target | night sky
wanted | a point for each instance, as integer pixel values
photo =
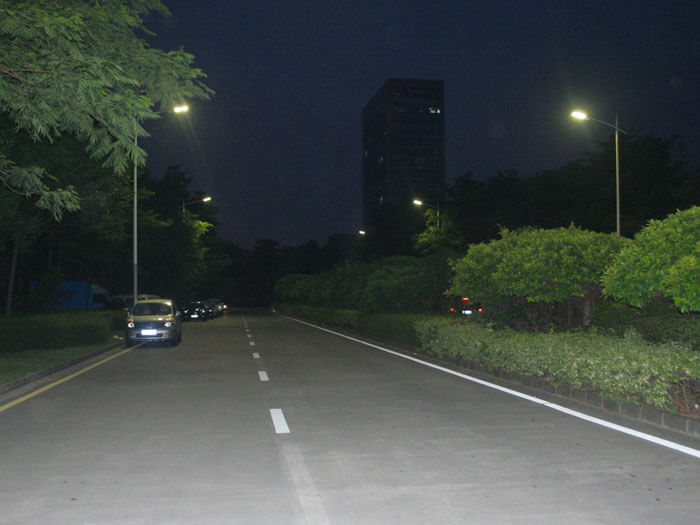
(279, 146)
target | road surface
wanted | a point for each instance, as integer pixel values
(258, 419)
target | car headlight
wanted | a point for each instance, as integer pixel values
(130, 324)
(168, 324)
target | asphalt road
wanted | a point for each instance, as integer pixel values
(261, 419)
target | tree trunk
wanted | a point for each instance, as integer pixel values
(13, 269)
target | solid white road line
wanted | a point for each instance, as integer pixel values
(263, 375)
(597, 421)
(278, 421)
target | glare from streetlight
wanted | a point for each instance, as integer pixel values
(206, 199)
(581, 115)
(181, 109)
(362, 232)
(418, 202)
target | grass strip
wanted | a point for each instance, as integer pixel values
(16, 365)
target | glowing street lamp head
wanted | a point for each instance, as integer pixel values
(206, 199)
(581, 115)
(181, 109)
(418, 202)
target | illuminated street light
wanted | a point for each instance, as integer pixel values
(177, 109)
(419, 203)
(362, 232)
(203, 199)
(582, 115)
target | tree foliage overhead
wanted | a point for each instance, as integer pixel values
(85, 68)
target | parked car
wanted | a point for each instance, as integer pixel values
(217, 306)
(465, 306)
(214, 306)
(196, 311)
(153, 320)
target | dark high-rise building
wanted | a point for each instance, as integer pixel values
(403, 142)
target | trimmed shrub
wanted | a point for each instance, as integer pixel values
(658, 321)
(58, 330)
(559, 266)
(663, 259)
(626, 369)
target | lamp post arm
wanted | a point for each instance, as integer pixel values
(613, 126)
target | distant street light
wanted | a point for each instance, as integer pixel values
(203, 199)
(582, 115)
(362, 232)
(177, 109)
(420, 203)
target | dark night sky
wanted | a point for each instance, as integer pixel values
(279, 146)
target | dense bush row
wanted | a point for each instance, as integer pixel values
(626, 369)
(393, 284)
(58, 330)
(399, 328)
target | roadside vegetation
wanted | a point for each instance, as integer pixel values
(32, 343)
(558, 303)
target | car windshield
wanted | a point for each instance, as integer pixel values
(152, 309)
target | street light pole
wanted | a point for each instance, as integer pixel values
(135, 219)
(617, 176)
(135, 248)
(583, 116)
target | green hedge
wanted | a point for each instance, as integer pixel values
(626, 369)
(399, 328)
(658, 322)
(58, 330)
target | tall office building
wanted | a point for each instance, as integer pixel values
(403, 141)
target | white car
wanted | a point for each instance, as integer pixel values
(153, 320)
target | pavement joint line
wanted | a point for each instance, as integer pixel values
(44, 388)
(554, 406)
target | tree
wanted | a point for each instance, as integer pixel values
(439, 236)
(663, 259)
(84, 68)
(562, 265)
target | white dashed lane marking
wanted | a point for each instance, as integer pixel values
(278, 420)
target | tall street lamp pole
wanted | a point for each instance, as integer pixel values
(581, 115)
(177, 109)
(136, 230)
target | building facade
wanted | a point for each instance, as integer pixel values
(403, 141)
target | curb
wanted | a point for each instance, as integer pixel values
(30, 378)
